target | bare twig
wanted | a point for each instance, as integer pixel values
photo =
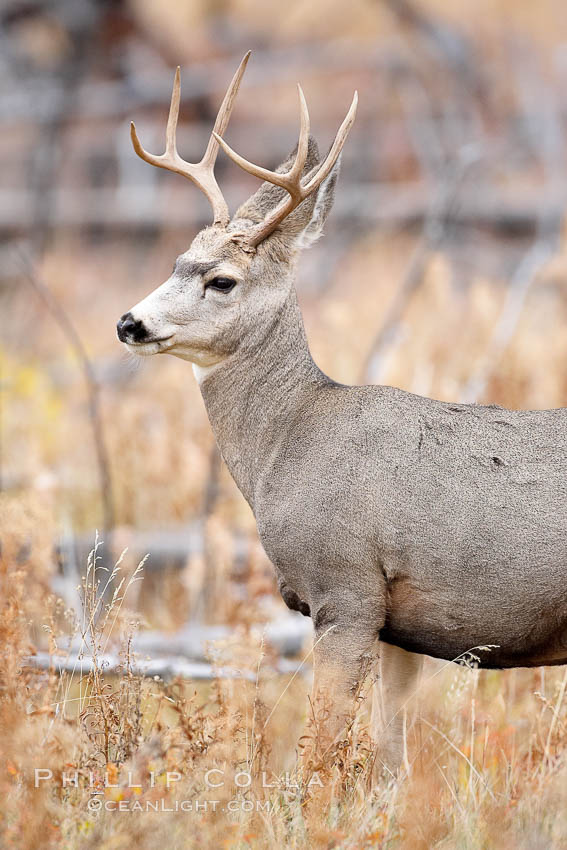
(209, 503)
(518, 290)
(542, 249)
(447, 43)
(433, 234)
(91, 383)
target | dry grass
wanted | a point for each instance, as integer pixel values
(486, 753)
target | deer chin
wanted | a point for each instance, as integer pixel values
(155, 346)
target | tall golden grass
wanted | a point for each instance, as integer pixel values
(128, 761)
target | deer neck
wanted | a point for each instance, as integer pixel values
(253, 395)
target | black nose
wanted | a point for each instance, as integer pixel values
(130, 330)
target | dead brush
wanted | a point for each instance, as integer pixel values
(487, 753)
(343, 768)
(552, 730)
(351, 756)
(144, 725)
(193, 733)
(110, 713)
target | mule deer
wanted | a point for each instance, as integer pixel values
(401, 525)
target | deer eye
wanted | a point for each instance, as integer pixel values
(222, 284)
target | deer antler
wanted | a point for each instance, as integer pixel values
(291, 180)
(201, 173)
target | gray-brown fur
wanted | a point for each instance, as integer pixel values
(435, 527)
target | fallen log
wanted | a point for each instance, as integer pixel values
(162, 668)
(286, 636)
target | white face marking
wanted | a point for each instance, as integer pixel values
(201, 372)
(145, 349)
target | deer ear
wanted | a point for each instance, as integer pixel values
(304, 225)
(323, 201)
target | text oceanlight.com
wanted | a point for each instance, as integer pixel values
(96, 804)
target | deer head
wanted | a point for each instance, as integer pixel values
(225, 290)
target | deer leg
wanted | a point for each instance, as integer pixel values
(392, 691)
(344, 653)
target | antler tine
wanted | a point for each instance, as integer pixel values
(303, 143)
(201, 173)
(224, 113)
(172, 118)
(336, 148)
(291, 180)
